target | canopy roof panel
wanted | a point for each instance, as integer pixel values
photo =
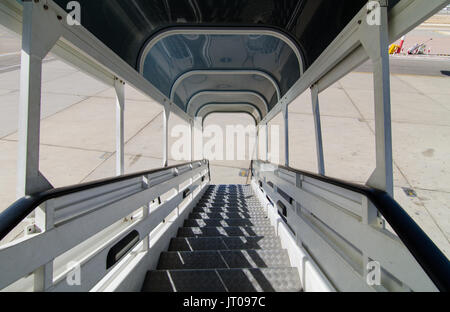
(166, 39)
(257, 61)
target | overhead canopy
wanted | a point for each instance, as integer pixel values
(245, 53)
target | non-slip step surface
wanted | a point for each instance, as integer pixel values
(229, 210)
(226, 215)
(223, 280)
(226, 222)
(223, 259)
(227, 244)
(225, 231)
(224, 243)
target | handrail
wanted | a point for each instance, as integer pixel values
(20, 209)
(427, 254)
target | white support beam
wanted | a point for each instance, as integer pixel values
(82, 49)
(346, 52)
(191, 136)
(375, 41)
(40, 32)
(285, 112)
(266, 130)
(119, 86)
(166, 116)
(318, 129)
(257, 142)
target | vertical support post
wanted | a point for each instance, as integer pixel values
(119, 86)
(192, 135)
(375, 39)
(266, 130)
(166, 116)
(40, 31)
(44, 218)
(257, 143)
(201, 123)
(285, 112)
(318, 129)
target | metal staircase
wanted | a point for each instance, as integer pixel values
(226, 244)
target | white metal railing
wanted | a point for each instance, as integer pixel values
(341, 229)
(93, 227)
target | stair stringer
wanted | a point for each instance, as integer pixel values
(133, 278)
(311, 277)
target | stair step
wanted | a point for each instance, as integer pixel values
(218, 203)
(229, 204)
(225, 222)
(224, 259)
(231, 207)
(228, 210)
(224, 243)
(223, 280)
(226, 231)
(225, 215)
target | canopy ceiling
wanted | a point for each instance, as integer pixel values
(256, 48)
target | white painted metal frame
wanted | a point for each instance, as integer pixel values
(232, 107)
(223, 72)
(218, 31)
(353, 46)
(318, 129)
(79, 47)
(119, 87)
(231, 96)
(333, 226)
(88, 223)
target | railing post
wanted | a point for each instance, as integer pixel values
(44, 221)
(166, 116)
(257, 142)
(318, 129)
(192, 129)
(266, 130)
(285, 112)
(375, 39)
(119, 86)
(40, 31)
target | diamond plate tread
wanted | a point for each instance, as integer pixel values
(229, 199)
(223, 280)
(225, 231)
(234, 259)
(229, 210)
(248, 196)
(229, 203)
(217, 203)
(225, 215)
(224, 243)
(225, 222)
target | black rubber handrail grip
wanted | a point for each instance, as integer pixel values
(19, 210)
(427, 254)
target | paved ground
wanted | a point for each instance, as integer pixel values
(77, 135)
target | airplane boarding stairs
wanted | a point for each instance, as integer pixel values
(226, 244)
